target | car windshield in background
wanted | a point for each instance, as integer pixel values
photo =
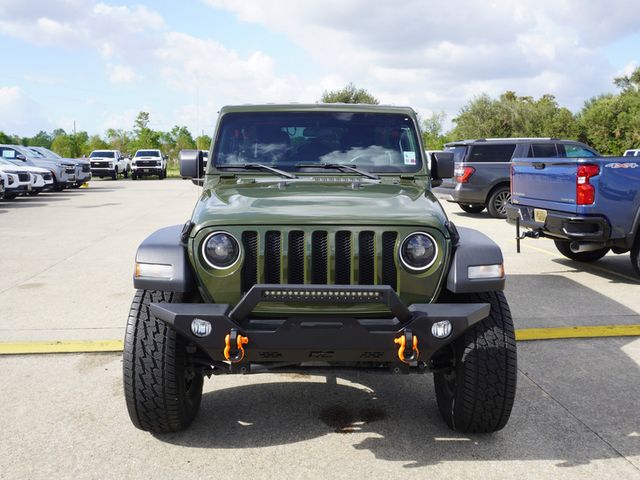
(376, 142)
(102, 154)
(147, 153)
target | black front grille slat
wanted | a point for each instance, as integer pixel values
(272, 250)
(367, 257)
(296, 257)
(319, 259)
(389, 273)
(250, 265)
(343, 258)
(23, 177)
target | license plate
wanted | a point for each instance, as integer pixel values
(146, 170)
(539, 215)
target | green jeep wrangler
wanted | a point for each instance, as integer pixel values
(317, 244)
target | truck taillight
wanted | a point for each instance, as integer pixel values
(585, 192)
(463, 174)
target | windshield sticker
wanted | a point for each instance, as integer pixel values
(409, 158)
(621, 165)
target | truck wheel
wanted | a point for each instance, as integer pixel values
(498, 201)
(114, 175)
(161, 175)
(563, 248)
(162, 391)
(635, 257)
(9, 195)
(125, 174)
(56, 186)
(134, 176)
(476, 394)
(471, 208)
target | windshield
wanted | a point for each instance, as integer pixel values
(376, 142)
(147, 153)
(35, 153)
(102, 154)
(48, 153)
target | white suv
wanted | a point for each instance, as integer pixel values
(109, 163)
(149, 162)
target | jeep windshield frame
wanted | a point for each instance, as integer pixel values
(373, 141)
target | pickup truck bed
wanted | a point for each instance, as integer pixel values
(585, 204)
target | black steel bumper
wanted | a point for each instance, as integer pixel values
(333, 339)
(561, 225)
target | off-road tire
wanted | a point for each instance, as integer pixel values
(635, 256)
(476, 395)
(471, 208)
(499, 198)
(563, 248)
(160, 397)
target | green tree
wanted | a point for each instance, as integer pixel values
(611, 122)
(432, 131)
(41, 139)
(95, 142)
(203, 142)
(119, 139)
(349, 94)
(514, 116)
(143, 136)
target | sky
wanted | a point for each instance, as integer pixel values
(99, 63)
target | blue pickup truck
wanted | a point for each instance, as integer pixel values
(588, 206)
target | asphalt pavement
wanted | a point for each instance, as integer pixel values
(67, 260)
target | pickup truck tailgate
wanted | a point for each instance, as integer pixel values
(548, 183)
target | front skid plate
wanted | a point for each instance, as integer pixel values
(326, 339)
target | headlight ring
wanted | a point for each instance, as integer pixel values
(220, 250)
(418, 251)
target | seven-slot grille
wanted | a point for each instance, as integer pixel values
(319, 257)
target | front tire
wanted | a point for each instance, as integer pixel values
(114, 175)
(476, 394)
(498, 201)
(162, 391)
(471, 208)
(125, 174)
(563, 248)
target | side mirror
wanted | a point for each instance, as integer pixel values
(21, 157)
(442, 165)
(191, 165)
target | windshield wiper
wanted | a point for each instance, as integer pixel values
(339, 166)
(258, 166)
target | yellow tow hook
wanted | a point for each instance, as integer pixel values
(233, 346)
(407, 338)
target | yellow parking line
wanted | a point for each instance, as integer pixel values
(62, 346)
(578, 332)
(523, 334)
(590, 265)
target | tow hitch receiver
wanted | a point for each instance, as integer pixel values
(233, 346)
(407, 338)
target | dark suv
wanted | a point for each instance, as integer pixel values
(482, 169)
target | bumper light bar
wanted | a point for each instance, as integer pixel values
(313, 295)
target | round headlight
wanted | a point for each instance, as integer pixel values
(220, 250)
(418, 251)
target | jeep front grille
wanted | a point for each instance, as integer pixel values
(319, 257)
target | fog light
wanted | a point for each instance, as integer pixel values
(441, 329)
(486, 271)
(200, 328)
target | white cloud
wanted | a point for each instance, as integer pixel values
(121, 74)
(19, 113)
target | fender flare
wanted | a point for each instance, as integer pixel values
(165, 247)
(473, 249)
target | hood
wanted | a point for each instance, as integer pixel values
(320, 201)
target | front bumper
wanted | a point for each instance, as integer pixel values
(313, 338)
(102, 171)
(567, 226)
(150, 170)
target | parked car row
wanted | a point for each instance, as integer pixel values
(112, 163)
(482, 175)
(31, 170)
